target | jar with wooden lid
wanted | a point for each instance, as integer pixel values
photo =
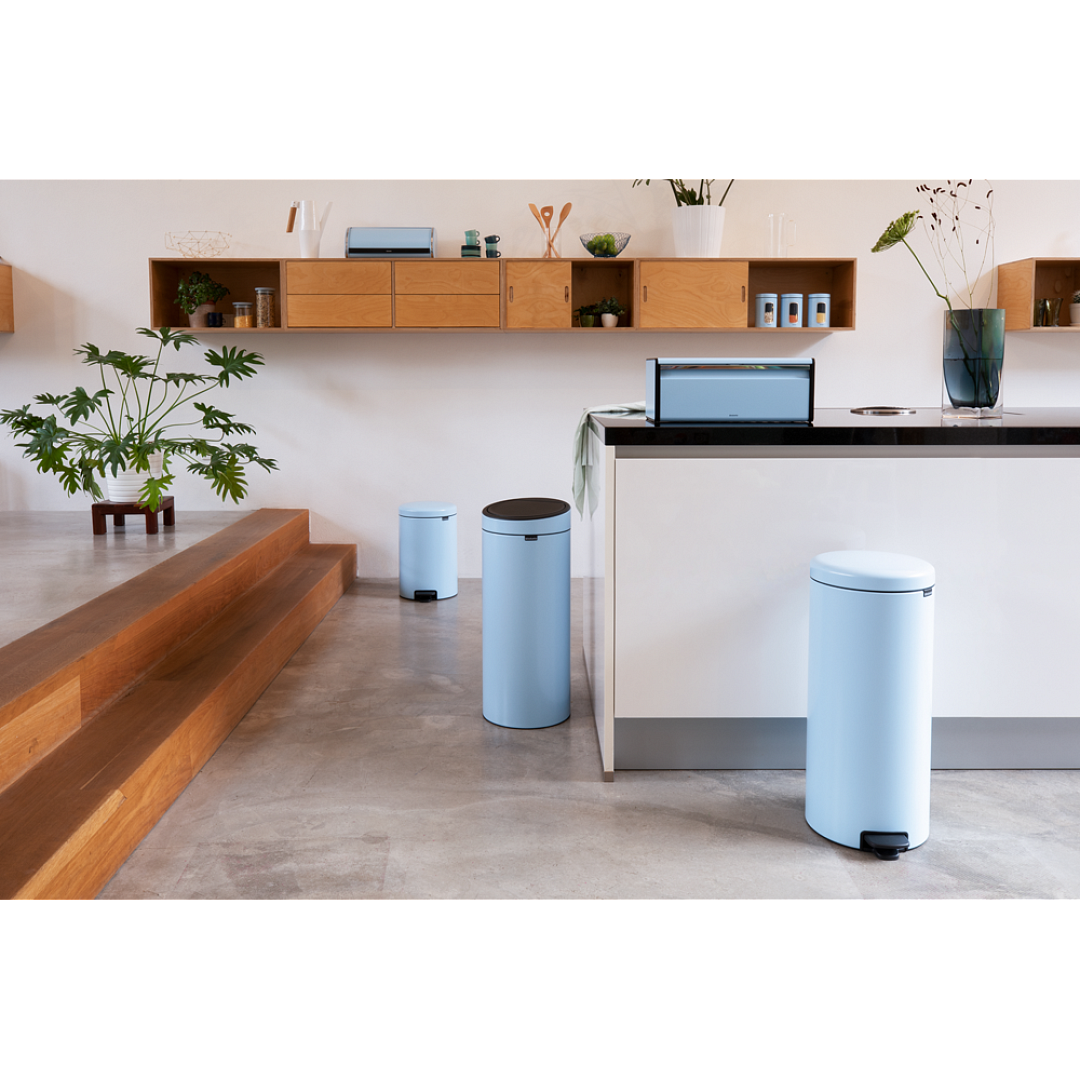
(245, 316)
(264, 306)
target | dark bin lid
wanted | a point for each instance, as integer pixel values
(526, 509)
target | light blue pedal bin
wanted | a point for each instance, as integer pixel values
(427, 550)
(526, 611)
(869, 700)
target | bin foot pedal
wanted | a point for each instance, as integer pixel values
(885, 845)
(425, 595)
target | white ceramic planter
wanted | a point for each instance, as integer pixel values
(126, 484)
(1074, 314)
(609, 320)
(698, 231)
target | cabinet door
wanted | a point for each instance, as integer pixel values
(538, 294)
(687, 294)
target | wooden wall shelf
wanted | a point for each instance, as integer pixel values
(509, 295)
(1021, 283)
(7, 303)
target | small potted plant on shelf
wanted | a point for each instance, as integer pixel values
(117, 432)
(1074, 310)
(197, 296)
(609, 311)
(697, 225)
(587, 315)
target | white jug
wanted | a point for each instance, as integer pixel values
(308, 226)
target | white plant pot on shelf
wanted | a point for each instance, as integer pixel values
(125, 486)
(1074, 314)
(698, 231)
(609, 320)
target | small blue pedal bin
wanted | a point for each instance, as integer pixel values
(427, 550)
(868, 720)
(526, 611)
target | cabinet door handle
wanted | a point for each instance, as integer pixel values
(511, 294)
(566, 295)
(744, 294)
(644, 294)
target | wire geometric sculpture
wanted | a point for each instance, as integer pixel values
(201, 244)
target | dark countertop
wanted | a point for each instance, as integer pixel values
(841, 427)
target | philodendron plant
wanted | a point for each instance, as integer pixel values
(120, 426)
(686, 195)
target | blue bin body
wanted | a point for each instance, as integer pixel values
(868, 721)
(427, 550)
(526, 612)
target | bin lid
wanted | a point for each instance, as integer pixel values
(525, 517)
(872, 571)
(427, 509)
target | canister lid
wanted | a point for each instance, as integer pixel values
(266, 289)
(872, 571)
(433, 509)
(819, 296)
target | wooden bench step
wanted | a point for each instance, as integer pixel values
(69, 823)
(55, 679)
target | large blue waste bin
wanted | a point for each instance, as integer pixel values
(526, 612)
(869, 700)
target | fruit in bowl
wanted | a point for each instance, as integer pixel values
(605, 245)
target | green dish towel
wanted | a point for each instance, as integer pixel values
(584, 483)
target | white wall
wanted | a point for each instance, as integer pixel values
(361, 423)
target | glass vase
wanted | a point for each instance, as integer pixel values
(973, 358)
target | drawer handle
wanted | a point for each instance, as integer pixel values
(511, 294)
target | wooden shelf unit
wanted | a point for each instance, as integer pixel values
(1023, 282)
(510, 295)
(7, 303)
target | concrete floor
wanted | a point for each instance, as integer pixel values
(367, 771)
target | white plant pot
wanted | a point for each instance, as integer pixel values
(125, 486)
(1074, 314)
(609, 320)
(698, 231)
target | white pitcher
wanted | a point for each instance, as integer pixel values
(308, 226)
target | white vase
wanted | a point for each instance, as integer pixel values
(698, 230)
(125, 486)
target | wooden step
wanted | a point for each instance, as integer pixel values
(57, 678)
(69, 823)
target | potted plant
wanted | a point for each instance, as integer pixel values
(197, 296)
(587, 314)
(959, 226)
(1074, 310)
(698, 226)
(609, 311)
(119, 428)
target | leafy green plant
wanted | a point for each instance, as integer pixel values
(610, 306)
(586, 309)
(198, 289)
(1076, 298)
(119, 427)
(687, 196)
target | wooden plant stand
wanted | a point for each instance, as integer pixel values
(101, 510)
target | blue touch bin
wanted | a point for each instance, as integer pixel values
(869, 700)
(526, 612)
(427, 550)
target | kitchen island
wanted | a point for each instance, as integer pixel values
(697, 594)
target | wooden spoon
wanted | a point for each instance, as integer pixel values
(546, 213)
(562, 217)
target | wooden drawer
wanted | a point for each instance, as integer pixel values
(452, 278)
(338, 277)
(446, 310)
(339, 310)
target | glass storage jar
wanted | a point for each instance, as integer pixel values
(264, 307)
(244, 313)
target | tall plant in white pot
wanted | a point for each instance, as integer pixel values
(697, 225)
(959, 225)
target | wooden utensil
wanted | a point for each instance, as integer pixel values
(562, 217)
(546, 212)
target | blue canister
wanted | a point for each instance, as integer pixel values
(427, 550)
(526, 612)
(766, 310)
(791, 309)
(817, 310)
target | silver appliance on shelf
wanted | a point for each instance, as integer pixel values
(382, 243)
(693, 389)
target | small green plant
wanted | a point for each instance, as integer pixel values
(610, 306)
(586, 309)
(198, 289)
(120, 428)
(687, 196)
